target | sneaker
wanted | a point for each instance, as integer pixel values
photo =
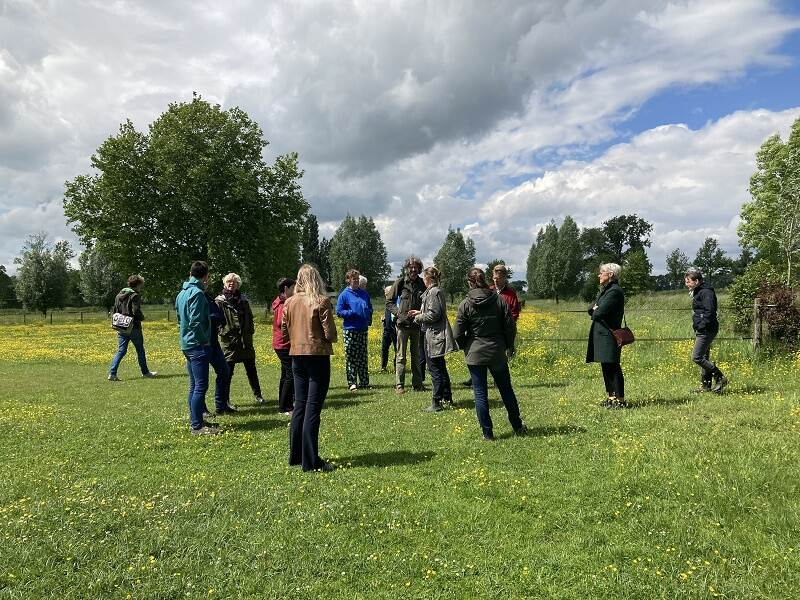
(205, 430)
(113, 378)
(150, 374)
(399, 390)
(520, 431)
(260, 400)
(353, 387)
(617, 404)
(721, 383)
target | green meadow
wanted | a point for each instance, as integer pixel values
(105, 494)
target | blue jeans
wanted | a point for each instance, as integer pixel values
(502, 378)
(222, 386)
(312, 376)
(136, 337)
(197, 361)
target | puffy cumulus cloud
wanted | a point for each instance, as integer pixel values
(689, 183)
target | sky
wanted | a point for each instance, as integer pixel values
(491, 117)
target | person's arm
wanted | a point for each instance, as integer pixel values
(433, 313)
(136, 307)
(606, 303)
(285, 323)
(342, 306)
(461, 327)
(326, 318)
(708, 307)
(391, 300)
(251, 323)
(516, 307)
(509, 328)
(197, 309)
(369, 309)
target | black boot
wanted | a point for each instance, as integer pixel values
(720, 381)
(436, 406)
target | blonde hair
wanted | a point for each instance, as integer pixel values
(310, 285)
(232, 277)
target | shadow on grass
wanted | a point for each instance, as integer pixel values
(542, 384)
(348, 394)
(661, 401)
(171, 375)
(256, 425)
(547, 431)
(385, 459)
(345, 402)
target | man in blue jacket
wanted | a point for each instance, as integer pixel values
(355, 307)
(191, 307)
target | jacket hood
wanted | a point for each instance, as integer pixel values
(192, 282)
(480, 296)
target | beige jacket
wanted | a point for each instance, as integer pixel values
(311, 330)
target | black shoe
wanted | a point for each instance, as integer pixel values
(607, 402)
(521, 431)
(468, 383)
(617, 404)
(227, 410)
(434, 407)
(419, 388)
(323, 466)
(488, 437)
(721, 383)
(206, 430)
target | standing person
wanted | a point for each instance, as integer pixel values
(308, 325)
(237, 333)
(355, 307)
(405, 295)
(439, 339)
(486, 331)
(706, 327)
(222, 385)
(128, 303)
(606, 313)
(389, 335)
(192, 311)
(286, 383)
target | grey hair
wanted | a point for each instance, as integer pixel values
(362, 281)
(232, 277)
(694, 273)
(413, 260)
(613, 269)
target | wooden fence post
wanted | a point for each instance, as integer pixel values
(51, 317)
(757, 325)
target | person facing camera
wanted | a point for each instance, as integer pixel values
(281, 348)
(405, 295)
(309, 327)
(486, 331)
(706, 327)
(606, 313)
(355, 308)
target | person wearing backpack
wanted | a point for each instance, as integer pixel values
(129, 303)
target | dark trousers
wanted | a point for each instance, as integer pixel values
(312, 376)
(614, 380)
(252, 374)
(389, 339)
(286, 383)
(502, 378)
(197, 360)
(700, 355)
(440, 379)
(222, 385)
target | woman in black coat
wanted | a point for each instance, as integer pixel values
(606, 313)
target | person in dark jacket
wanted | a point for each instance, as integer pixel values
(286, 383)
(128, 303)
(355, 308)
(236, 335)
(706, 327)
(486, 331)
(606, 313)
(405, 295)
(439, 340)
(222, 385)
(389, 333)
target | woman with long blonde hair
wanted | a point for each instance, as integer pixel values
(308, 325)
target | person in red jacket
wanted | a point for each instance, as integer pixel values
(286, 384)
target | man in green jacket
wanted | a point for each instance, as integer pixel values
(191, 307)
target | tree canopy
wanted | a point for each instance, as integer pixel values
(99, 281)
(43, 273)
(357, 245)
(711, 260)
(454, 259)
(195, 187)
(677, 263)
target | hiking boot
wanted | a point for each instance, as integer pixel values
(206, 430)
(113, 378)
(521, 431)
(150, 374)
(720, 385)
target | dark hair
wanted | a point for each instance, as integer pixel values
(285, 283)
(135, 281)
(199, 269)
(434, 273)
(694, 274)
(477, 278)
(352, 273)
(412, 260)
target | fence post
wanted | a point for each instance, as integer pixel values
(23, 318)
(757, 326)
(51, 317)
(167, 315)
(81, 316)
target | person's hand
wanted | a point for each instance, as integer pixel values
(510, 352)
(594, 307)
(412, 313)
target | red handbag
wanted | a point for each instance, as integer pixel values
(623, 335)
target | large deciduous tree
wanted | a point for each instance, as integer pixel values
(43, 273)
(711, 260)
(8, 297)
(771, 222)
(99, 280)
(357, 245)
(625, 234)
(309, 244)
(677, 263)
(194, 187)
(636, 270)
(454, 259)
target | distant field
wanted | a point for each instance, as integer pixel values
(106, 495)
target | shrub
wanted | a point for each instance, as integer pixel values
(780, 313)
(743, 292)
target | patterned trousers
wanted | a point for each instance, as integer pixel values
(355, 357)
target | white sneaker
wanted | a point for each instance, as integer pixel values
(353, 387)
(114, 378)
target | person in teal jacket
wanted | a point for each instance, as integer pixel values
(191, 307)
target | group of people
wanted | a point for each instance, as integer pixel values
(217, 332)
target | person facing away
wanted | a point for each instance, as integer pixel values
(355, 308)
(309, 326)
(129, 303)
(486, 331)
(405, 295)
(237, 333)
(281, 348)
(389, 332)
(706, 327)
(192, 311)
(439, 339)
(606, 313)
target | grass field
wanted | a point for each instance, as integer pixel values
(106, 495)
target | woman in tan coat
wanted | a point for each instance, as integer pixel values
(308, 325)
